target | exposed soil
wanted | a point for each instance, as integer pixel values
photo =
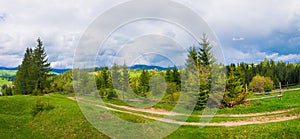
(257, 118)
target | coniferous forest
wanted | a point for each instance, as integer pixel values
(33, 77)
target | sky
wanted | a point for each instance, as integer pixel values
(248, 31)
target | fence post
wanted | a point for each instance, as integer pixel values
(287, 85)
(280, 92)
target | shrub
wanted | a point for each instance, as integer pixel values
(40, 106)
(261, 84)
(111, 93)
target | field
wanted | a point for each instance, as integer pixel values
(5, 75)
(65, 120)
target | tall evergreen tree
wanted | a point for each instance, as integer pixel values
(235, 93)
(192, 60)
(32, 73)
(116, 76)
(41, 66)
(176, 78)
(23, 82)
(144, 82)
(125, 78)
(206, 60)
(168, 76)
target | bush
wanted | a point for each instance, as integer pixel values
(6, 90)
(102, 92)
(261, 84)
(111, 93)
(40, 106)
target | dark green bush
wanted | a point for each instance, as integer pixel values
(111, 93)
(40, 106)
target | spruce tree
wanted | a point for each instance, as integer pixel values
(41, 66)
(144, 82)
(168, 76)
(176, 77)
(235, 93)
(32, 73)
(24, 83)
(192, 60)
(116, 77)
(206, 60)
(125, 80)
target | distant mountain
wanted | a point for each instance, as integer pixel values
(6, 68)
(149, 67)
(59, 71)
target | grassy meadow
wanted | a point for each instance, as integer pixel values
(65, 119)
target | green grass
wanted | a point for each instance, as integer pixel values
(290, 100)
(64, 121)
(67, 121)
(288, 129)
(8, 72)
(4, 81)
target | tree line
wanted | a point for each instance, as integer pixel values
(285, 73)
(32, 74)
(241, 79)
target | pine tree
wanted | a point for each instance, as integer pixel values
(41, 66)
(206, 60)
(235, 93)
(116, 77)
(205, 54)
(24, 83)
(176, 78)
(144, 82)
(124, 80)
(192, 60)
(105, 78)
(32, 73)
(168, 76)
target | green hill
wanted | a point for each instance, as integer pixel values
(62, 118)
(64, 121)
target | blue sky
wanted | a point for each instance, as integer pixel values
(249, 31)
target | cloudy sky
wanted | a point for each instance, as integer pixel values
(248, 31)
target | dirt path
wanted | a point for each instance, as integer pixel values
(253, 120)
(171, 113)
(261, 120)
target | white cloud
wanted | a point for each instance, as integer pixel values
(61, 23)
(236, 56)
(238, 39)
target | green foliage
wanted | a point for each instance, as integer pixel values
(64, 121)
(7, 76)
(278, 71)
(32, 73)
(235, 92)
(116, 77)
(63, 82)
(201, 61)
(144, 83)
(109, 81)
(111, 93)
(103, 78)
(157, 86)
(40, 107)
(125, 78)
(171, 89)
(6, 90)
(168, 75)
(176, 78)
(261, 84)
